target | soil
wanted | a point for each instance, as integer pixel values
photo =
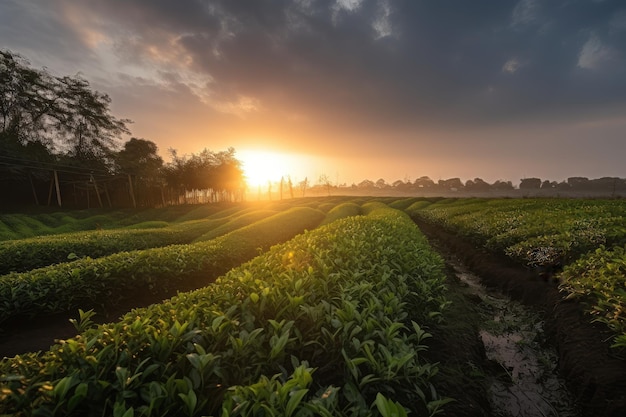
(26, 334)
(594, 372)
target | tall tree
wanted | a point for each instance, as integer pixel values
(27, 97)
(139, 158)
(219, 174)
(229, 174)
(140, 162)
(61, 113)
(86, 127)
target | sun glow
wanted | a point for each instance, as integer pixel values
(263, 167)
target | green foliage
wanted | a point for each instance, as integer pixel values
(403, 203)
(88, 281)
(549, 233)
(26, 254)
(234, 223)
(417, 205)
(341, 211)
(20, 226)
(525, 229)
(367, 208)
(331, 323)
(599, 280)
(152, 224)
(213, 211)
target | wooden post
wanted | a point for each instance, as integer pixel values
(32, 186)
(106, 193)
(132, 193)
(56, 182)
(95, 186)
(50, 190)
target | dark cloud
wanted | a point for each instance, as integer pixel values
(375, 66)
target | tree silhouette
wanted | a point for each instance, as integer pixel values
(324, 180)
(212, 176)
(59, 113)
(530, 183)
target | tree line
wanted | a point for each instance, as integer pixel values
(608, 186)
(60, 144)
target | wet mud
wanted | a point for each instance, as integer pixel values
(583, 361)
(523, 379)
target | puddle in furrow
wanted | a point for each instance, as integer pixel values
(524, 382)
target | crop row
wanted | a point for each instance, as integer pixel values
(89, 282)
(330, 323)
(599, 280)
(26, 254)
(586, 237)
(531, 231)
(199, 224)
(20, 226)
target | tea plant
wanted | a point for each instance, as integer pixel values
(330, 323)
(88, 282)
(341, 211)
(586, 237)
(599, 280)
(235, 223)
(26, 254)
(532, 231)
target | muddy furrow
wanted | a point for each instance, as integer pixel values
(593, 373)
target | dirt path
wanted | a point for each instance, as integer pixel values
(585, 361)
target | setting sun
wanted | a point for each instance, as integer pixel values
(261, 167)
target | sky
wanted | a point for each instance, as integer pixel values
(353, 89)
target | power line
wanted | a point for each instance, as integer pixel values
(69, 169)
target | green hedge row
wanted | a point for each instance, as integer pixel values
(89, 282)
(26, 254)
(585, 237)
(329, 324)
(598, 279)
(21, 226)
(234, 223)
(534, 232)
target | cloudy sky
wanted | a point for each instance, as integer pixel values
(354, 89)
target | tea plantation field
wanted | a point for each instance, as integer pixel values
(303, 307)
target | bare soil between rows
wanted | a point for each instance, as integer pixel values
(594, 373)
(26, 334)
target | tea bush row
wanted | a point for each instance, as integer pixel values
(586, 237)
(89, 282)
(534, 232)
(21, 226)
(598, 279)
(26, 254)
(331, 323)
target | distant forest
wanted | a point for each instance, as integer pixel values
(61, 146)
